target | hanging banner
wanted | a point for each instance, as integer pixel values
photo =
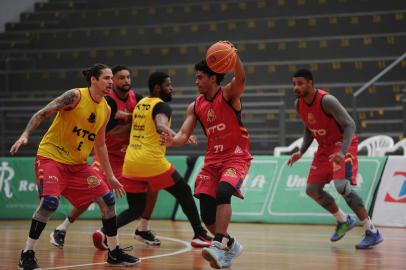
(390, 203)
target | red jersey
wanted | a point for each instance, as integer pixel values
(227, 137)
(323, 127)
(116, 146)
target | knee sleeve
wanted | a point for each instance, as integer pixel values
(354, 201)
(109, 199)
(224, 193)
(316, 192)
(106, 204)
(343, 186)
(208, 209)
(50, 203)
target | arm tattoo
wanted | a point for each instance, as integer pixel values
(66, 99)
(58, 103)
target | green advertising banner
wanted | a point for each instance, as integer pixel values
(289, 203)
(275, 192)
(19, 197)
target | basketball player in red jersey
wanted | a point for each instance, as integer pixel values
(327, 121)
(227, 159)
(122, 101)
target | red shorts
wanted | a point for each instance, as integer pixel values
(80, 184)
(230, 171)
(155, 183)
(116, 166)
(322, 171)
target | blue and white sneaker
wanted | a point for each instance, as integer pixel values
(215, 254)
(370, 239)
(235, 250)
(343, 228)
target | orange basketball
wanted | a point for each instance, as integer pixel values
(221, 57)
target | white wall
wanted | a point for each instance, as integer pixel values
(10, 10)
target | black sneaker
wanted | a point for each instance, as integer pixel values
(119, 257)
(58, 238)
(147, 237)
(28, 261)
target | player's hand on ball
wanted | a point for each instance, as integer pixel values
(294, 157)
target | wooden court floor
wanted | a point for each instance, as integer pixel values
(265, 247)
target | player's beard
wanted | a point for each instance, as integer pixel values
(167, 97)
(124, 88)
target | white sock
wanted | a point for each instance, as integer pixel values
(340, 216)
(143, 224)
(30, 244)
(367, 224)
(112, 242)
(64, 226)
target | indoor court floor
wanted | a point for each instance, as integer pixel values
(266, 246)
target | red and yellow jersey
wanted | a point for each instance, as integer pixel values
(145, 156)
(227, 137)
(70, 139)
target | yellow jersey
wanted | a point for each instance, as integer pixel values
(145, 156)
(70, 138)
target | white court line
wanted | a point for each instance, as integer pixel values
(187, 248)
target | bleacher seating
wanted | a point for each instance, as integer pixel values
(345, 43)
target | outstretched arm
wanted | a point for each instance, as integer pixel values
(185, 132)
(66, 101)
(234, 89)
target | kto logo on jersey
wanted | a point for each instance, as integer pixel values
(211, 116)
(399, 187)
(219, 127)
(311, 119)
(80, 132)
(318, 132)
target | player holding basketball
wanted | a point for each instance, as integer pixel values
(145, 164)
(122, 101)
(328, 122)
(61, 165)
(227, 159)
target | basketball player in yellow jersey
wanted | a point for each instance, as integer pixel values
(61, 165)
(145, 163)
